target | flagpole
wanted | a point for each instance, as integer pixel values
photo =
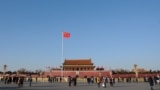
(64, 35)
(62, 57)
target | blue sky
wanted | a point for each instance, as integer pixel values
(113, 33)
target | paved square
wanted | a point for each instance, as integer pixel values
(80, 86)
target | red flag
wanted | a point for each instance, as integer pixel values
(66, 34)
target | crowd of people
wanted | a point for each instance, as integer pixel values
(103, 81)
(19, 80)
(153, 81)
(72, 81)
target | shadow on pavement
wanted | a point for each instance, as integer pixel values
(8, 88)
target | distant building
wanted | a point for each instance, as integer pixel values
(55, 68)
(140, 70)
(78, 65)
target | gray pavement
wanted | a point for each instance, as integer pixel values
(80, 86)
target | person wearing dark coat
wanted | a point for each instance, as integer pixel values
(75, 81)
(21, 81)
(30, 81)
(69, 80)
(111, 82)
(151, 82)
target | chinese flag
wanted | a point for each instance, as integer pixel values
(66, 34)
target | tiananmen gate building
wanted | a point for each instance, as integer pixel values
(77, 67)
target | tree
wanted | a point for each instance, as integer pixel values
(121, 71)
(150, 71)
(38, 71)
(21, 70)
(1, 72)
(14, 72)
(9, 72)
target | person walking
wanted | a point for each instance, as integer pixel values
(19, 82)
(111, 82)
(151, 82)
(104, 82)
(30, 81)
(69, 80)
(98, 81)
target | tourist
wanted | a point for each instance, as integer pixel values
(88, 80)
(69, 80)
(61, 79)
(92, 79)
(36, 79)
(104, 82)
(30, 80)
(19, 82)
(111, 82)
(151, 82)
(75, 81)
(158, 79)
(98, 81)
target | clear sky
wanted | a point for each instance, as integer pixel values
(113, 33)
